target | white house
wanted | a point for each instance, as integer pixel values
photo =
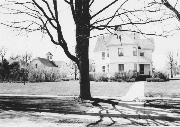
(44, 63)
(123, 51)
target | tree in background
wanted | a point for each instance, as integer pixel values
(2, 53)
(73, 69)
(172, 64)
(4, 70)
(45, 16)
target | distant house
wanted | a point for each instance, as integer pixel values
(122, 52)
(44, 63)
(49, 65)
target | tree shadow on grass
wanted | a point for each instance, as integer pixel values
(108, 108)
(158, 115)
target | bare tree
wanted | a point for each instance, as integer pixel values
(73, 69)
(27, 57)
(2, 53)
(171, 63)
(45, 16)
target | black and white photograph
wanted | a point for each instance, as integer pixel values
(89, 63)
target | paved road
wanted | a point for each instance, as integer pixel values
(29, 111)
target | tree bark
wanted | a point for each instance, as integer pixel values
(82, 47)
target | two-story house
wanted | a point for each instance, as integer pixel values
(122, 52)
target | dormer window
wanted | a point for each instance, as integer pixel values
(120, 52)
(134, 51)
(141, 53)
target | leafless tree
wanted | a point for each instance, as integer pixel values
(2, 53)
(27, 57)
(45, 16)
(171, 63)
(73, 69)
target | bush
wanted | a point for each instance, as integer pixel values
(161, 76)
(101, 77)
(142, 77)
(154, 80)
(125, 76)
(131, 80)
(39, 75)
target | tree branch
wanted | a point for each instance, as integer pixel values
(104, 9)
(44, 13)
(169, 6)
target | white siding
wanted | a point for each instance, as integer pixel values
(127, 59)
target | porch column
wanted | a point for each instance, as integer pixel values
(138, 68)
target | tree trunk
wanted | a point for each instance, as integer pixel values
(171, 73)
(82, 47)
(82, 50)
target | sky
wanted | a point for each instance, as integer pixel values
(39, 44)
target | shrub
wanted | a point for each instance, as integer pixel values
(161, 76)
(154, 80)
(101, 77)
(142, 77)
(39, 75)
(125, 76)
(131, 80)
(112, 79)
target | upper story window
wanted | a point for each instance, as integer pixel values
(103, 68)
(134, 51)
(120, 52)
(103, 55)
(119, 37)
(108, 53)
(121, 67)
(141, 53)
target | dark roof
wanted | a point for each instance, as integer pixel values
(47, 62)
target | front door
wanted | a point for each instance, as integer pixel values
(141, 67)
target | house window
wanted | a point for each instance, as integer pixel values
(108, 53)
(120, 52)
(121, 67)
(36, 65)
(120, 38)
(134, 51)
(103, 68)
(103, 55)
(135, 67)
(141, 53)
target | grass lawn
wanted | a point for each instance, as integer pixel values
(111, 89)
